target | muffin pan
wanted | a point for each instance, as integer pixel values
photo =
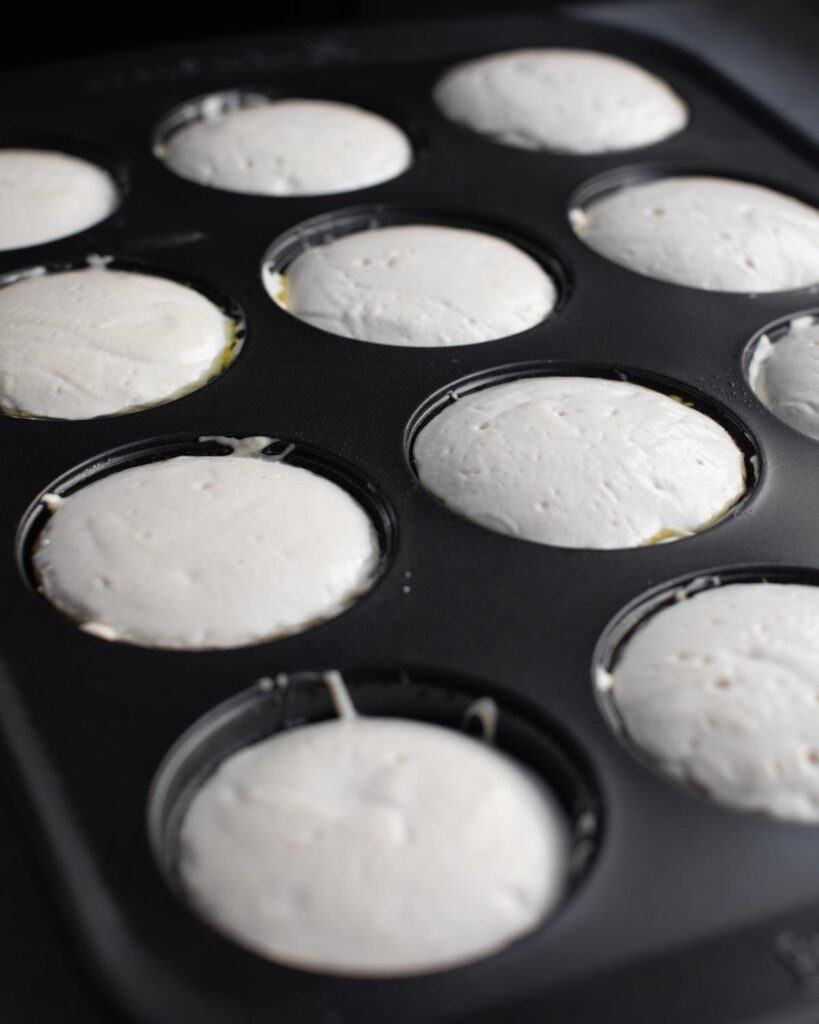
(287, 701)
(682, 911)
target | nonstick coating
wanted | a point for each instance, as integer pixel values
(689, 913)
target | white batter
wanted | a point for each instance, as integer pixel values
(373, 846)
(722, 691)
(711, 233)
(580, 462)
(785, 375)
(94, 342)
(574, 101)
(289, 147)
(46, 195)
(416, 285)
(205, 551)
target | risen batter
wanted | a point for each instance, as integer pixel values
(722, 691)
(785, 375)
(574, 101)
(46, 195)
(416, 285)
(373, 846)
(93, 342)
(580, 462)
(288, 147)
(711, 233)
(205, 551)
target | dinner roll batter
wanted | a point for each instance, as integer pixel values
(415, 285)
(721, 690)
(580, 462)
(205, 551)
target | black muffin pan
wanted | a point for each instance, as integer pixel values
(680, 911)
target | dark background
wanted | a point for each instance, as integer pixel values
(770, 46)
(70, 33)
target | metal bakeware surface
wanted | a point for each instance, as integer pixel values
(688, 913)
